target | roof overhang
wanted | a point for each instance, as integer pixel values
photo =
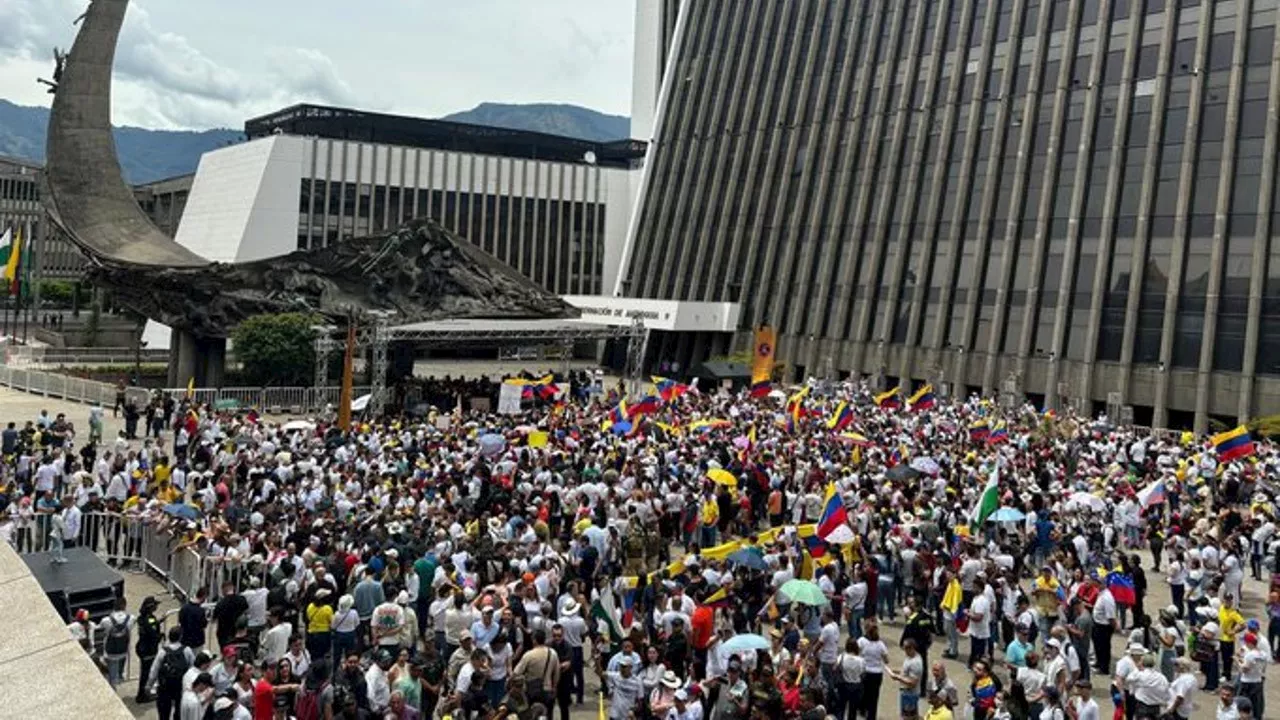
(670, 315)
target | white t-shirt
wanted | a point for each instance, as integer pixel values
(1252, 665)
(1149, 687)
(1032, 681)
(829, 643)
(1086, 709)
(980, 617)
(1184, 686)
(874, 653)
(855, 596)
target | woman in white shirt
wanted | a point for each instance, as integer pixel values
(500, 667)
(849, 671)
(651, 674)
(874, 653)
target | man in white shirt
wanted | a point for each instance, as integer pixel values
(1149, 688)
(1182, 690)
(1104, 626)
(1253, 665)
(1086, 708)
(855, 603)
(979, 622)
(275, 642)
(829, 644)
(378, 687)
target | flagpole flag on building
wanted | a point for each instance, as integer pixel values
(988, 501)
(762, 361)
(1233, 444)
(11, 257)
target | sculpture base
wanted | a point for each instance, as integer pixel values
(204, 359)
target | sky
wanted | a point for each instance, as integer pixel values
(196, 64)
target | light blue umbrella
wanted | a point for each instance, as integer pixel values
(744, 643)
(1007, 514)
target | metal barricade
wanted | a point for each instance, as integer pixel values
(244, 396)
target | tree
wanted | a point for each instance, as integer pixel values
(276, 350)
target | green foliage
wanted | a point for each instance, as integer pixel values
(61, 293)
(1268, 426)
(276, 350)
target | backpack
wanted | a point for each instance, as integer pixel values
(308, 705)
(118, 637)
(173, 666)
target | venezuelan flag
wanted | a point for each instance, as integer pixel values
(669, 389)
(761, 389)
(1233, 444)
(999, 435)
(648, 405)
(833, 526)
(1122, 589)
(979, 430)
(923, 399)
(841, 418)
(618, 413)
(889, 400)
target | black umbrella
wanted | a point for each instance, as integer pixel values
(902, 472)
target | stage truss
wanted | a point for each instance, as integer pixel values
(470, 333)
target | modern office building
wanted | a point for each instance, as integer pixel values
(554, 208)
(164, 201)
(52, 254)
(1073, 200)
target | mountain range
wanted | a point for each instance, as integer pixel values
(149, 155)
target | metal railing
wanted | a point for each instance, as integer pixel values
(271, 400)
(25, 355)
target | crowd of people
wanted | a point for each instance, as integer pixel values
(691, 554)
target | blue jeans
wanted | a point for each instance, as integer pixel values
(343, 644)
(855, 624)
(886, 602)
(707, 537)
(494, 691)
(115, 670)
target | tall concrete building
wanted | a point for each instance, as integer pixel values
(1072, 200)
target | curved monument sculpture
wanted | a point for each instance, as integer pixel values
(420, 271)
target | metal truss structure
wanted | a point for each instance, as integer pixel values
(379, 335)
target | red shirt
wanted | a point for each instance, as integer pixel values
(264, 700)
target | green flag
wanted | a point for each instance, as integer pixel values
(988, 501)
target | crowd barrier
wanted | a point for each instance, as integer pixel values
(269, 400)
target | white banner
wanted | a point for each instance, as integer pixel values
(509, 399)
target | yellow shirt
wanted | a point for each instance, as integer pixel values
(319, 618)
(162, 473)
(710, 513)
(168, 494)
(942, 712)
(1230, 621)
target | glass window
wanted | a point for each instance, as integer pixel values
(1148, 61)
(1261, 44)
(1221, 46)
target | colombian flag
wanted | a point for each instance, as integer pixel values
(794, 405)
(889, 400)
(833, 525)
(669, 389)
(841, 418)
(1233, 444)
(923, 399)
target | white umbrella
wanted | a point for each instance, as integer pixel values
(777, 395)
(926, 465)
(1083, 499)
(360, 403)
(298, 425)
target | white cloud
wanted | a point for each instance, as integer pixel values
(209, 63)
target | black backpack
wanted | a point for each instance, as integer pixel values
(118, 637)
(173, 666)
